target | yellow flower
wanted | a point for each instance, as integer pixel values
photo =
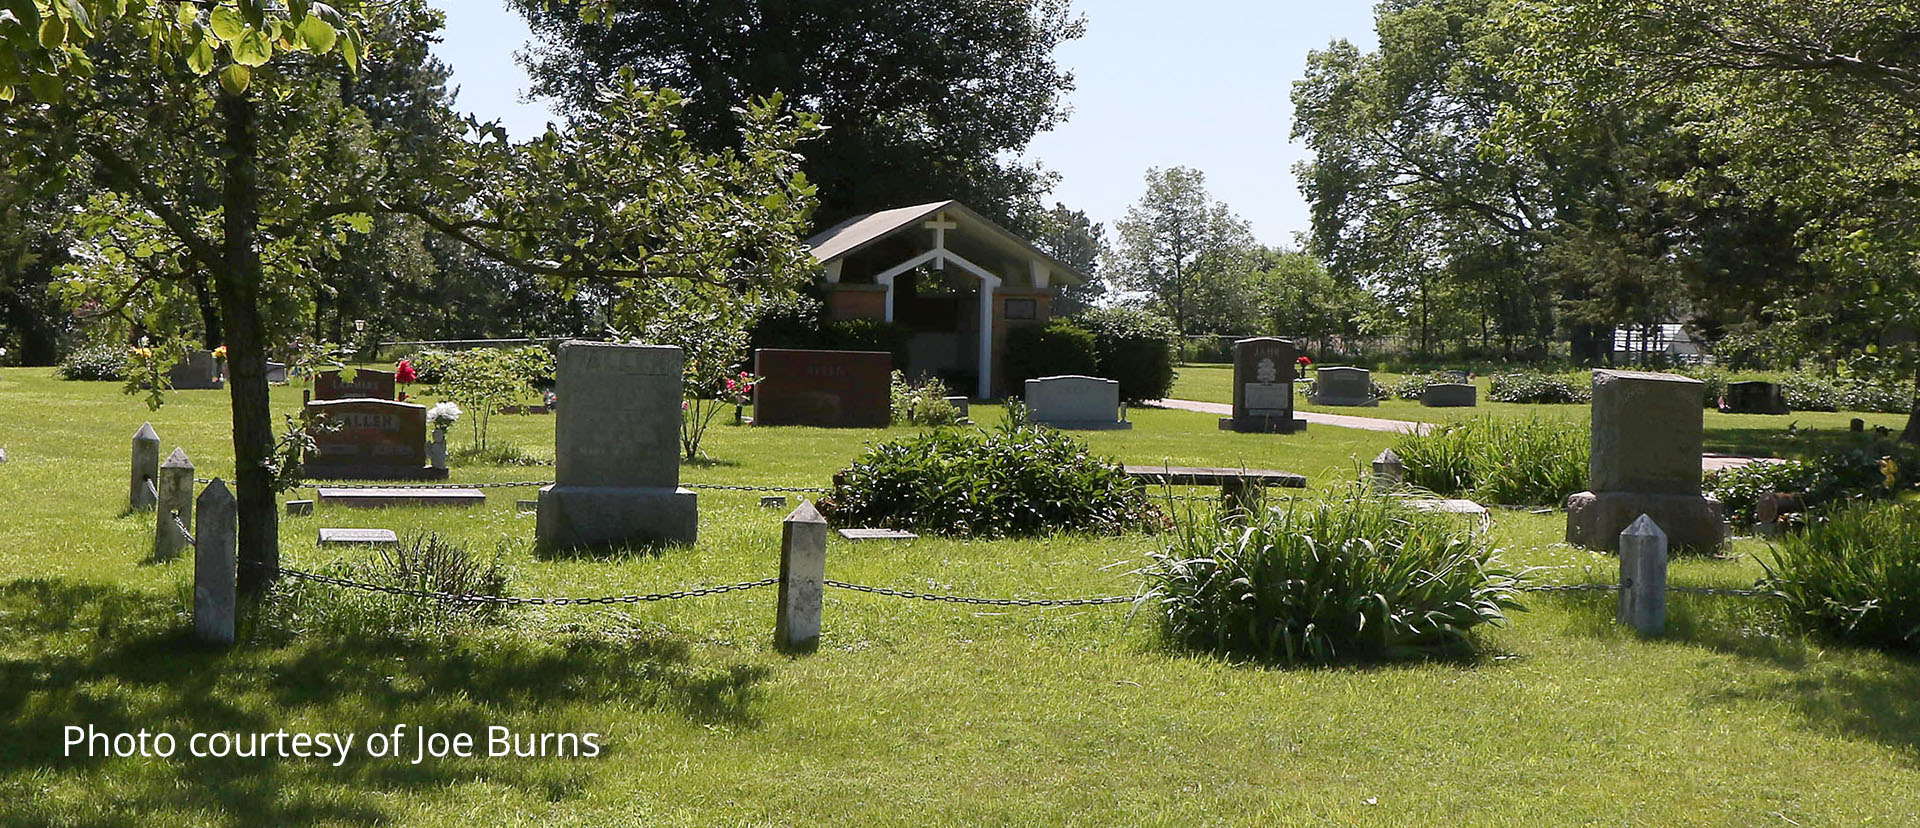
(1890, 469)
(220, 352)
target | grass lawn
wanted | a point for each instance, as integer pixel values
(911, 713)
(1758, 435)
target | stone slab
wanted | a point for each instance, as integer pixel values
(391, 496)
(1692, 522)
(1344, 386)
(575, 516)
(825, 389)
(299, 508)
(1450, 506)
(375, 440)
(197, 371)
(619, 418)
(1263, 374)
(1647, 434)
(1756, 398)
(877, 534)
(1202, 476)
(360, 537)
(1075, 402)
(773, 502)
(1450, 395)
(276, 373)
(367, 384)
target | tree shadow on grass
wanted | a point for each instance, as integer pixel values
(1776, 442)
(122, 660)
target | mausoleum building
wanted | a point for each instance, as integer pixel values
(954, 280)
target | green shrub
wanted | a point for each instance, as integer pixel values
(866, 335)
(1016, 480)
(1136, 349)
(1412, 386)
(1855, 575)
(430, 365)
(1341, 580)
(1863, 472)
(105, 361)
(1536, 388)
(1805, 393)
(1055, 349)
(1740, 488)
(922, 402)
(1878, 397)
(1493, 460)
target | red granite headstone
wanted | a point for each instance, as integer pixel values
(830, 389)
(366, 384)
(377, 440)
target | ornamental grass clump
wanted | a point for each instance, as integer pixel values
(1017, 480)
(1347, 579)
(1530, 462)
(1855, 575)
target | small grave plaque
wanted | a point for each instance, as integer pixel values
(876, 534)
(396, 496)
(366, 537)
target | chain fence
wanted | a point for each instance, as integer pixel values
(511, 600)
(1730, 592)
(533, 484)
(181, 526)
(990, 602)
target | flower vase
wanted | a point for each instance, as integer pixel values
(437, 448)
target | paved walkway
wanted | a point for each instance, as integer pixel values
(1315, 417)
(1710, 462)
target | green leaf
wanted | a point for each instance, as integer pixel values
(350, 50)
(252, 49)
(47, 88)
(6, 94)
(78, 19)
(359, 222)
(200, 57)
(228, 25)
(319, 35)
(53, 33)
(235, 79)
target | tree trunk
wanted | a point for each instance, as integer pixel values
(239, 283)
(212, 336)
(1912, 432)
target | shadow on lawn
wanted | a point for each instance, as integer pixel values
(121, 661)
(1775, 442)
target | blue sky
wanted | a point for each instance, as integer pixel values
(1199, 83)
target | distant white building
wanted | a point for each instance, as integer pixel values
(1670, 340)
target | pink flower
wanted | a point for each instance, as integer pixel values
(404, 372)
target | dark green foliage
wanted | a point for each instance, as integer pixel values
(866, 335)
(1412, 386)
(1869, 471)
(1537, 388)
(1341, 580)
(1512, 462)
(1055, 349)
(106, 361)
(1016, 480)
(1855, 575)
(1135, 348)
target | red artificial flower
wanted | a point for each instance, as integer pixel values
(1304, 360)
(404, 372)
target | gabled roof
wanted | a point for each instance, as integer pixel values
(854, 234)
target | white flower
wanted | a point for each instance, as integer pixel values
(443, 415)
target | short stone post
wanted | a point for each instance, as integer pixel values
(215, 568)
(176, 499)
(1643, 577)
(803, 574)
(437, 449)
(146, 469)
(1388, 471)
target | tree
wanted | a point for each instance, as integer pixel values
(1188, 255)
(1080, 243)
(614, 207)
(925, 101)
(1300, 298)
(1814, 106)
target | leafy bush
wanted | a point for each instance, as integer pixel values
(105, 361)
(430, 365)
(866, 335)
(1493, 460)
(1135, 348)
(922, 402)
(1345, 579)
(1536, 388)
(1412, 386)
(423, 562)
(1855, 575)
(482, 381)
(1868, 471)
(1805, 393)
(1879, 397)
(1058, 348)
(1016, 480)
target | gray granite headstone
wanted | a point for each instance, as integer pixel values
(1756, 398)
(617, 449)
(1345, 386)
(1075, 402)
(1450, 395)
(1263, 387)
(197, 371)
(1647, 435)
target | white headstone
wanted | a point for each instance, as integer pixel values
(1076, 402)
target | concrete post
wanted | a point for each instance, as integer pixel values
(176, 498)
(146, 469)
(1643, 577)
(1388, 471)
(803, 573)
(215, 568)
